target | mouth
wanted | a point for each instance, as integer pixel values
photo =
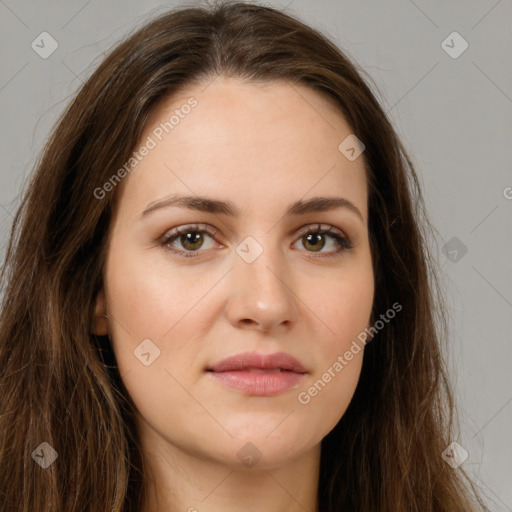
(256, 374)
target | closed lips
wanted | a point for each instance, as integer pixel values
(256, 374)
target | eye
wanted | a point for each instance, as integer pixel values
(314, 238)
(191, 238)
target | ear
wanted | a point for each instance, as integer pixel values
(100, 326)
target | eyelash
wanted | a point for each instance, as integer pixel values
(343, 242)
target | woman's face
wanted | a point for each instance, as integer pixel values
(243, 276)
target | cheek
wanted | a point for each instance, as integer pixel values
(150, 298)
(153, 310)
(345, 307)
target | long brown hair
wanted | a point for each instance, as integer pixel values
(60, 385)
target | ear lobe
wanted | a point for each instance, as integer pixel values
(100, 326)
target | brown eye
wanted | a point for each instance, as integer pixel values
(192, 240)
(314, 241)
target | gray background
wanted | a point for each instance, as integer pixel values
(454, 116)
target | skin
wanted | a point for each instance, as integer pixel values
(261, 147)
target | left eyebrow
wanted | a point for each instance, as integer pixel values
(215, 206)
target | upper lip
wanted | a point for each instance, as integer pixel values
(256, 360)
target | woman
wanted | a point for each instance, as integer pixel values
(218, 293)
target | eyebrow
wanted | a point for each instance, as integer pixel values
(215, 206)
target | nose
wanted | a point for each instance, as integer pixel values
(262, 294)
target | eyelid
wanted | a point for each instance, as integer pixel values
(193, 227)
(324, 228)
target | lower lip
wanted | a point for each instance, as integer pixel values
(258, 383)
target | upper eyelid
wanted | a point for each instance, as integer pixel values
(319, 227)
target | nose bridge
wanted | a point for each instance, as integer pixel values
(261, 262)
(263, 270)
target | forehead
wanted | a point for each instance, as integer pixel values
(263, 141)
